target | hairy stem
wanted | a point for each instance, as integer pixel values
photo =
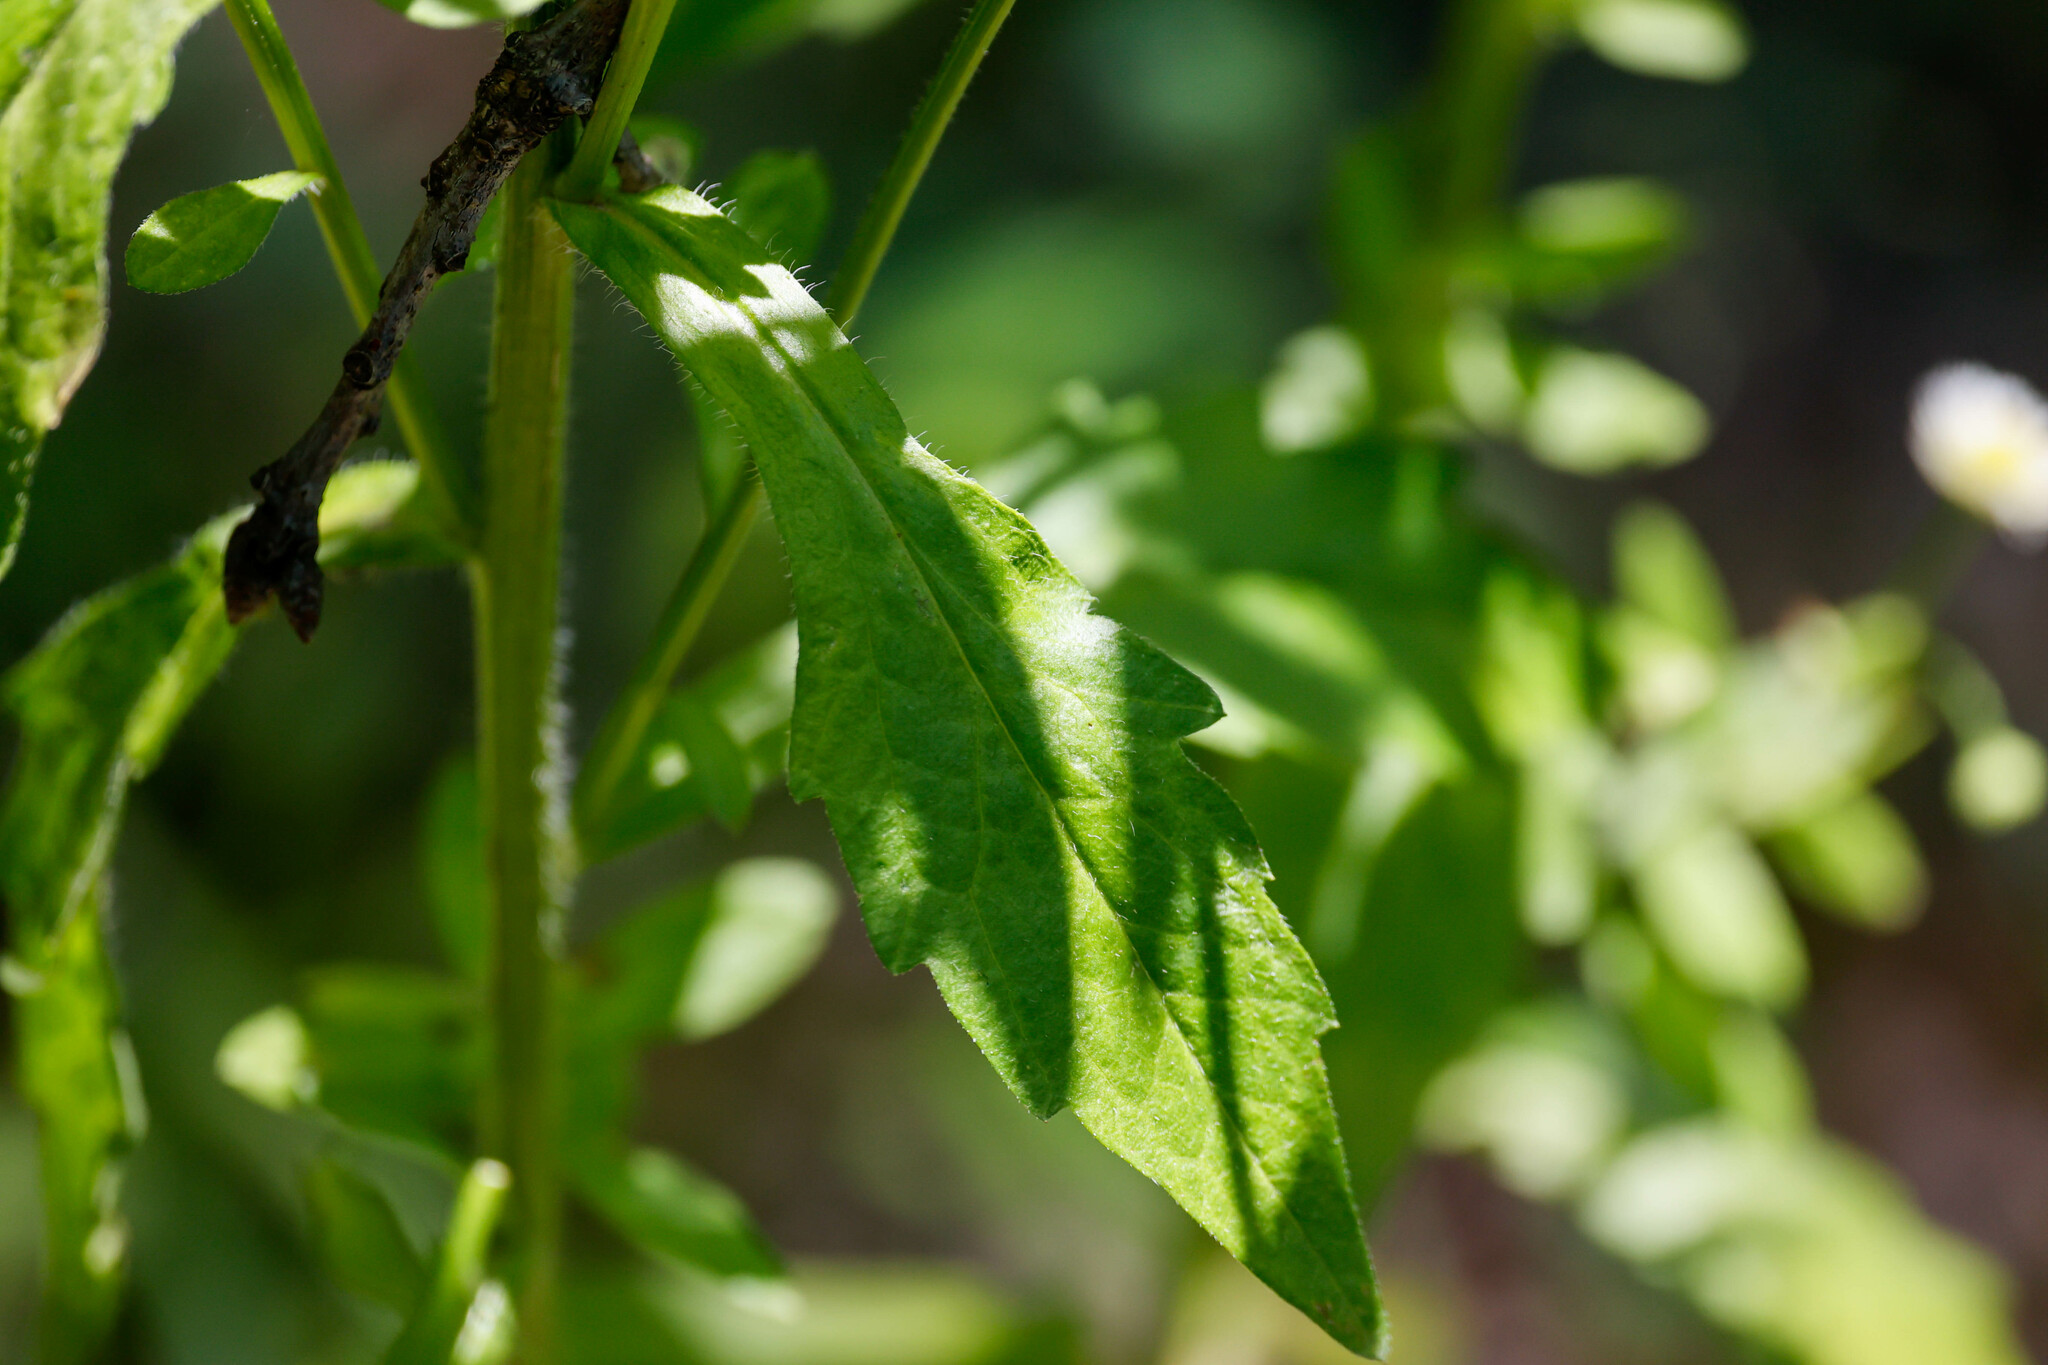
(516, 585)
(625, 727)
(645, 23)
(543, 77)
(447, 498)
(879, 221)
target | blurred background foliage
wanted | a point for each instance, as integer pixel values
(1502, 404)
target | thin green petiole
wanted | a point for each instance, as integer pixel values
(625, 726)
(884, 213)
(349, 248)
(645, 23)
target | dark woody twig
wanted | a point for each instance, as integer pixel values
(544, 76)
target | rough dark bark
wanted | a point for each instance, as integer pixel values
(544, 76)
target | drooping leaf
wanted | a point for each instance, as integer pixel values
(1004, 774)
(202, 238)
(76, 78)
(784, 202)
(673, 1210)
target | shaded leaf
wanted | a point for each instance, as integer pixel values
(713, 745)
(394, 1049)
(359, 1239)
(709, 957)
(673, 1210)
(783, 201)
(76, 78)
(202, 238)
(1092, 905)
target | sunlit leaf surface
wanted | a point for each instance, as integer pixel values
(1003, 770)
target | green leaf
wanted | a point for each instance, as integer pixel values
(76, 78)
(1597, 413)
(1857, 859)
(1687, 40)
(713, 745)
(1004, 773)
(359, 1239)
(670, 1209)
(202, 238)
(78, 1075)
(784, 202)
(707, 958)
(1661, 568)
(394, 1049)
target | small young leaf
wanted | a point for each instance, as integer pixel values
(783, 201)
(202, 238)
(76, 78)
(394, 1050)
(1004, 772)
(673, 1210)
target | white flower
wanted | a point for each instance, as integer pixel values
(1981, 438)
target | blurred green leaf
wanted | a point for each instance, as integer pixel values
(1715, 907)
(1099, 921)
(452, 856)
(1690, 40)
(707, 958)
(714, 743)
(460, 13)
(670, 1209)
(700, 35)
(77, 77)
(784, 202)
(1595, 413)
(675, 147)
(202, 238)
(394, 1050)
(359, 1239)
(1661, 568)
(1577, 239)
(1436, 952)
(1999, 779)
(1857, 859)
(1319, 391)
(1802, 1245)
(77, 1073)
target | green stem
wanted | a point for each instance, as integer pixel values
(516, 583)
(348, 246)
(878, 223)
(459, 1269)
(646, 21)
(623, 730)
